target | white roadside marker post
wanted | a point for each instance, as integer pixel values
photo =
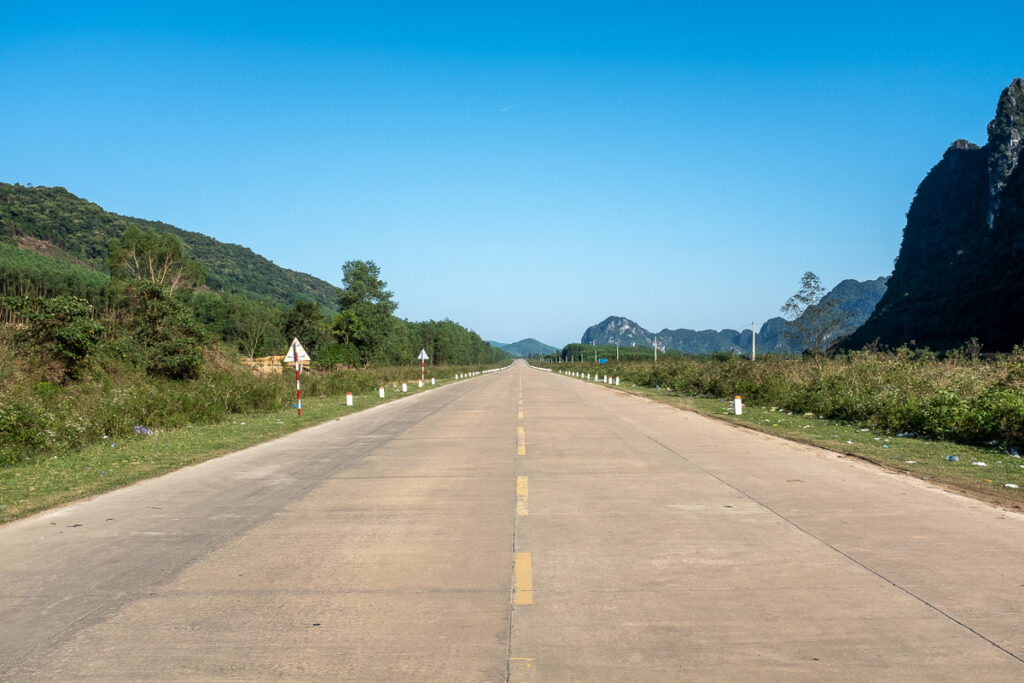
(381, 391)
(348, 398)
(737, 405)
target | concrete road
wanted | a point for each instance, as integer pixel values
(517, 526)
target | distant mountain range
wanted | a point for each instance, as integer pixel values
(960, 270)
(58, 224)
(524, 348)
(777, 335)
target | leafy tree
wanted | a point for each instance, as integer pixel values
(155, 257)
(367, 314)
(447, 342)
(816, 320)
(168, 340)
(258, 326)
(305, 322)
(339, 354)
(58, 329)
(346, 326)
(253, 326)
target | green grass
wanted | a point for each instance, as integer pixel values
(922, 458)
(43, 483)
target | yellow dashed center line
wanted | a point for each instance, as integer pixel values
(524, 579)
(520, 669)
(522, 497)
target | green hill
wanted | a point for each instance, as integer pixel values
(58, 224)
(524, 348)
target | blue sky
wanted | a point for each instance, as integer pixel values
(525, 169)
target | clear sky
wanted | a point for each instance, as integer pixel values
(525, 169)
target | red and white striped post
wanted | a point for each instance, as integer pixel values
(296, 354)
(423, 357)
(298, 386)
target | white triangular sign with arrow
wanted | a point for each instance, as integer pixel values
(423, 355)
(296, 351)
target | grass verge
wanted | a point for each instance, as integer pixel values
(921, 458)
(26, 488)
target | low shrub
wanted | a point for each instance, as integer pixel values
(39, 417)
(960, 397)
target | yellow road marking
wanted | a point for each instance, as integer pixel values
(522, 497)
(520, 669)
(520, 413)
(524, 579)
(521, 440)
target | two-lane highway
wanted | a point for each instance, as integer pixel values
(517, 526)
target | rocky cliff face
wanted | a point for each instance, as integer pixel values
(776, 335)
(960, 270)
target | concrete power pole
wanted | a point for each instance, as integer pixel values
(655, 349)
(753, 342)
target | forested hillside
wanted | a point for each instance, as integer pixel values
(85, 355)
(55, 222)
(54, 245)
(524, 348)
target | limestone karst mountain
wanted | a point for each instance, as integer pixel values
(960, 270)
(776, 335)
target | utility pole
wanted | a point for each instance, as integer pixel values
(753, 342)
(616, 352)
(655, 349)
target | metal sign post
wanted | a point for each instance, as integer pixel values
(423, 358)
(296, 354)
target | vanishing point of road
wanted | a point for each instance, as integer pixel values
(518, 526)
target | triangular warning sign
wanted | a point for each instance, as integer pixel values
(296, 350)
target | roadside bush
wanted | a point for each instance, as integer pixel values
(58, 330)
(960, 397)
(169, 342)
(42, 418)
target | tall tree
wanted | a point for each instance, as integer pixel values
(155, 257)
(367, 317)
(258, 325)
(816, 320)
(305, 322)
